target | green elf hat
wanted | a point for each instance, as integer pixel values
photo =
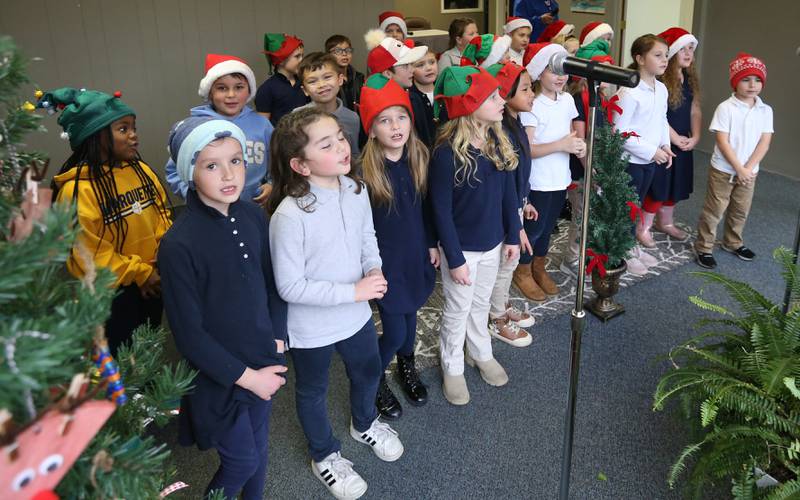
(506, 75)
(485, 50)
(462, 89)
(279, 46)
(599, 47)
(379, 93)
(83, 112)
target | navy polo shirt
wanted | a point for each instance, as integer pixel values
(223, 309)
(519, 139)
(477, 214)
(404, 235)
(279, 97)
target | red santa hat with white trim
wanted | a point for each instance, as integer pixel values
(386, 52)
(593, 31)
(219, 65)
(537, 56)
(392, 17)
(515, 23)
(554, 29)
(677, 38)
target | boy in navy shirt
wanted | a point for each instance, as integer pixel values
(282, 92)
(223, 308)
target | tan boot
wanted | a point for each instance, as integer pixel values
(455, 389)
(541, 277)
(491, 371)
(524, 281)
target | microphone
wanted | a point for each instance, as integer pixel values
(563, 64)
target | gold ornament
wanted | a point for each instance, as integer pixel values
(38, 94)
(28, 106)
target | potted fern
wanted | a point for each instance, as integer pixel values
(610, 237)
(738, 385)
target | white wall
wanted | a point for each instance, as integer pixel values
(653, 16)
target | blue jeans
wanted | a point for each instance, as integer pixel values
(399, 335)
(243, 454)
(363, 365)
(641, 179)
(549, 205)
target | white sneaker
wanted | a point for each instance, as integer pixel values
(337, 474)
(635, 266)
(647, 259)
(382, 438)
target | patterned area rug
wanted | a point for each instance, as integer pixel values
(671, 254)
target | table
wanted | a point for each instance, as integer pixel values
(435, 40)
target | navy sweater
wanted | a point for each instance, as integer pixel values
(477, 214)
(404, 236)
(516, 133)
(223, 309)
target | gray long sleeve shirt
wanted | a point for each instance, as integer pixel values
(317, 259)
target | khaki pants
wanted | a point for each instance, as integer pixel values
(723, 197)
(466, 311)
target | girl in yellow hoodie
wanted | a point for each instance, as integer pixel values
(120, 202)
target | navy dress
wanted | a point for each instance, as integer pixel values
(404, 236)
(677, 183)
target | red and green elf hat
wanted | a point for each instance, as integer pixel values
(506, 75)
(462, 89)
(83, 112)
(379, 93)
(485, 50)
(279, 46)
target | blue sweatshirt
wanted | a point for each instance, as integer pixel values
(477, 214)
(223, 310)
(257, 130)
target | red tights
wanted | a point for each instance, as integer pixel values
(650, 205)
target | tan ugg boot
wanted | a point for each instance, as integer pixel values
(541, 277)
(524, 281)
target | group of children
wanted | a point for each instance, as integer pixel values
(366, 186)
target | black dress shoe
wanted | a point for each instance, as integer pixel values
(413, 388)
(386, 402)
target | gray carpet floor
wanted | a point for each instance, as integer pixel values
(506, 443)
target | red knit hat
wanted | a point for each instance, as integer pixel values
(506, 75)
(514, 23)
(593, 31)
(677, 38)
(379, 93)
(392, 17)
(555, 29)
(463, 89)
(218, 65)
(746, 65)
(279, 46)
(385, 52)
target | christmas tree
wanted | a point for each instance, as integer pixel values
(614, 203)
(50, 331)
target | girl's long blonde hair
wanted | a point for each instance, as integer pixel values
(373, 169)
(497, 147)
(672, 80)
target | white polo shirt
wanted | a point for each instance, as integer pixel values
(515, 56)
(552, 120)
(644, 111)
(744, 126)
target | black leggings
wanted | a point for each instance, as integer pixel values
(129, 310)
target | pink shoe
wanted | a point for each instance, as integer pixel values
(635, 266)
(646, 259)
(664, 223)
(643, 230)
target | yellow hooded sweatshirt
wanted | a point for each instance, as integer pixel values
(136, 204)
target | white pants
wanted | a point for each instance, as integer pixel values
(502, 286)
(466, 311)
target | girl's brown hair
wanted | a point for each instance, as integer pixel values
(374, 171)
(289, 141)
(457, 28)
(642, 45)
(672, 80)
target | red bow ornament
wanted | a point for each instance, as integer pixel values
(630, 133)
(635, 211)
(598, 260)
(610, 106)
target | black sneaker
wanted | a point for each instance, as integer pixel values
(706, 260)
(742, 252)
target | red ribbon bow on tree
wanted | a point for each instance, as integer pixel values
(629, 134)
(635, 211)
(610, 106)
(598, 260)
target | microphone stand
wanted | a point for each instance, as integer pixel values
(578, 321)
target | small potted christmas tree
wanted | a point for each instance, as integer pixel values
(613, 208)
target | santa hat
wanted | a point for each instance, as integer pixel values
(538, 56)
(554, 29)
(392, 17)
(506, 75)
(485, 50)
(746, 65)
(219, 65)
(515, 23)
(462, 89)
(379, 93)
(603, 58)
(279, 46)
(595, 30)
(677, 38)
(385, 52)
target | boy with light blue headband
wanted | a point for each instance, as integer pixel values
(222, 305)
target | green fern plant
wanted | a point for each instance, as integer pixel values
(737, 382)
